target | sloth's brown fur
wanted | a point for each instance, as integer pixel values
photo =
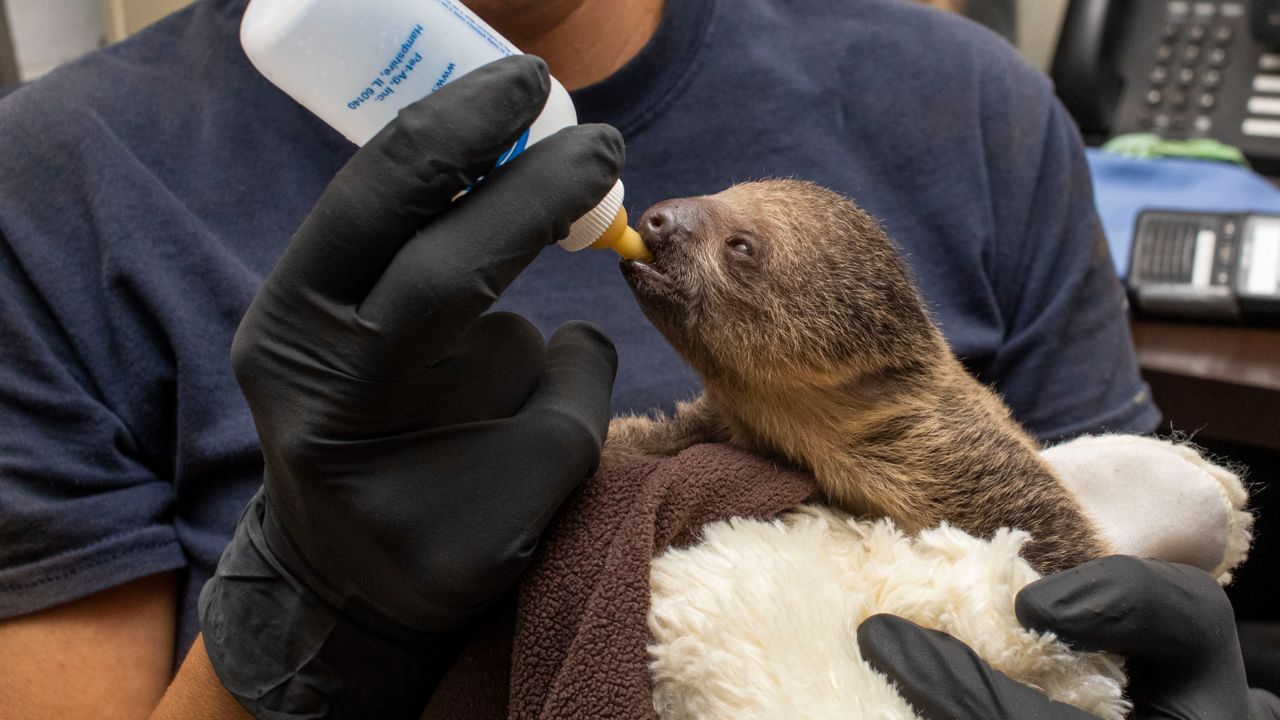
(816, 347)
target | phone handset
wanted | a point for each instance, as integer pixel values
(1084, 68)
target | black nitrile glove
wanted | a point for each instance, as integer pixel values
(1172, 622)
(414, 449)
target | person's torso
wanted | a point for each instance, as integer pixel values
(186, 174)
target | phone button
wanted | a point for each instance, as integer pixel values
(1231, 10)
(1267, 84)
(1264, 106)
(1261, 128)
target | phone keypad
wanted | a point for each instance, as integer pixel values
(1184, 248)
(1186, 76)
(1185, 264)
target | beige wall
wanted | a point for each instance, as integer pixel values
(1038, 25)
(47, 33)
(129, 16)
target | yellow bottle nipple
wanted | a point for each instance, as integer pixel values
(622, 239)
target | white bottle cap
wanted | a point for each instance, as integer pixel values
(588, 228)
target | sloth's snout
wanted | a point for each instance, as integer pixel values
(665, 223)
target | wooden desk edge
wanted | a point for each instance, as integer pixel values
(1220, 382)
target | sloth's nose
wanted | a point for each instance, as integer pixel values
(663, 223)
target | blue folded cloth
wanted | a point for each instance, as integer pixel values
(1124, 187)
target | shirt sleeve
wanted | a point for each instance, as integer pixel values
(81, 509)
(1067, 365)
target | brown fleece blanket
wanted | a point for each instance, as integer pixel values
(573, 643)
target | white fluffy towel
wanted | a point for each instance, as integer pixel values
(757, 621)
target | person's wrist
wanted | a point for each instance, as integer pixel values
(283, 652)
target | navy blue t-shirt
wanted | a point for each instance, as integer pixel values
(146, 190)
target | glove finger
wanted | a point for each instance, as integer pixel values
(490, 375)
(409, 172)
(1134, 607)
(944, 679)
(1263, 705)
(1173, 622)
(494, 521)
(458, 265)
(569, 411)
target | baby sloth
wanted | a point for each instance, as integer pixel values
(814, 344)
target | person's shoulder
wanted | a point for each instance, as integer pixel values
(116, 93)
(97, 132)
(920, 39)
(898, 22)
(1013, 101)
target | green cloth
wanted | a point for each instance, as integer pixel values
(1148, 145)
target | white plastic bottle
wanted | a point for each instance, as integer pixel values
(356, 63)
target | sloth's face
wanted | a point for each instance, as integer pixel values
(770, 280)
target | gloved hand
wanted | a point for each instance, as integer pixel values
(1172, 622)
(414, 449)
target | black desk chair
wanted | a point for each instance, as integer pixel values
(999, 15)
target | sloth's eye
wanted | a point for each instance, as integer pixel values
(740, 246)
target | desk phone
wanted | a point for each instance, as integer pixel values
(1212, 266)
(1177, 68)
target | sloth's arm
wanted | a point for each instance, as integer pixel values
(694, 422)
